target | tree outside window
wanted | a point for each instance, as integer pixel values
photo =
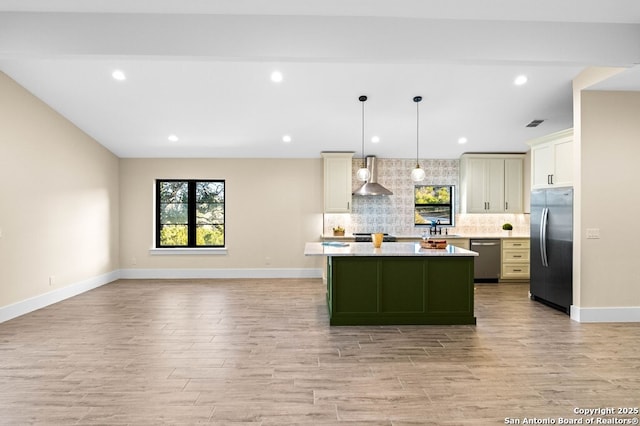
(190, 213)
(434, 203)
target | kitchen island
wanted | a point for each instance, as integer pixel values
(398, 283)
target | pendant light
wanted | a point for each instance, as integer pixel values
(417, 174)
(363, 173)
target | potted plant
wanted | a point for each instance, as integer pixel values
(338, 231)
(508, 227)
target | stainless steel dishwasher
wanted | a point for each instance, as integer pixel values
(487, 264)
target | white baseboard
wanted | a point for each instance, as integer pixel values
(37, 302)
(609, 314)
(220, 273)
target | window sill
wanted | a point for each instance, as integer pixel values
(189, 251)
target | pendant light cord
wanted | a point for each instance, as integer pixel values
(417, 100)
(362, 99)
(417, 134)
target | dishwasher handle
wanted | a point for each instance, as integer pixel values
(477, 243)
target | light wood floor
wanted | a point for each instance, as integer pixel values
(260, 352)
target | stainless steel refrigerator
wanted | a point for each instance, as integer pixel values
(551, 272)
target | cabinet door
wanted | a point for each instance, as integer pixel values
(513, 186)
(476, 198)
(541, 165)
(563, 163)
(337, 183)
(494, 185)
(552, 160)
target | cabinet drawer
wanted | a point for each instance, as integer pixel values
(515, 255)
(515, 244)
(515, 271)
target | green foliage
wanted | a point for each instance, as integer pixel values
(209, 236)
(210, 192)
(180, 201)
(507, 227)
(419, 219)
(432, 195)
(173, 235)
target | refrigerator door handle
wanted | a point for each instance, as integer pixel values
(543, 236)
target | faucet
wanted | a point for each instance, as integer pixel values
(434, 228)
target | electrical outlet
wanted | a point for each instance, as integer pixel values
(134, 261)
(267, 260)
(593, 233)
(52, 280)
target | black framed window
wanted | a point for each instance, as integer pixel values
(190, 213)
(434, 203)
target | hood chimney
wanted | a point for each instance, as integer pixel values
(372, 187)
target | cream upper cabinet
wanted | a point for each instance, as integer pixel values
(337, 182)
(552, 160)
(514, 185)
(491, 183)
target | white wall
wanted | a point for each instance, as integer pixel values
(272, 207)
(610, 149)
(581, 82)
(58, 203)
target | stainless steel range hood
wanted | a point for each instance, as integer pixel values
(372, 187)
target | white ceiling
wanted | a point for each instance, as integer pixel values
(200, 70)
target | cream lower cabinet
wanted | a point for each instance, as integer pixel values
(458, 242)
(515, 259)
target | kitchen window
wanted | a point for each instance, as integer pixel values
(190, 213)
(434, 203)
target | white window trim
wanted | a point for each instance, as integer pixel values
(155, 251)
(209, 251)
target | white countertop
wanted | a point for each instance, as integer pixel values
(387, 249)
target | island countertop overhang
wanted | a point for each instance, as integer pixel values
(387, 249)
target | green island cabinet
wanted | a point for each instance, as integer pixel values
(380, 290)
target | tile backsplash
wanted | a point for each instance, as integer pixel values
(394, 214)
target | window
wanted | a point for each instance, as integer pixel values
(434, 203)
(190, 213)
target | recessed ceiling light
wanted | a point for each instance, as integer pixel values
(118, 75)
(173, 138)
(520, 80)
(286, 138)
(375, 139)
(462, 140)
(276, 76)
